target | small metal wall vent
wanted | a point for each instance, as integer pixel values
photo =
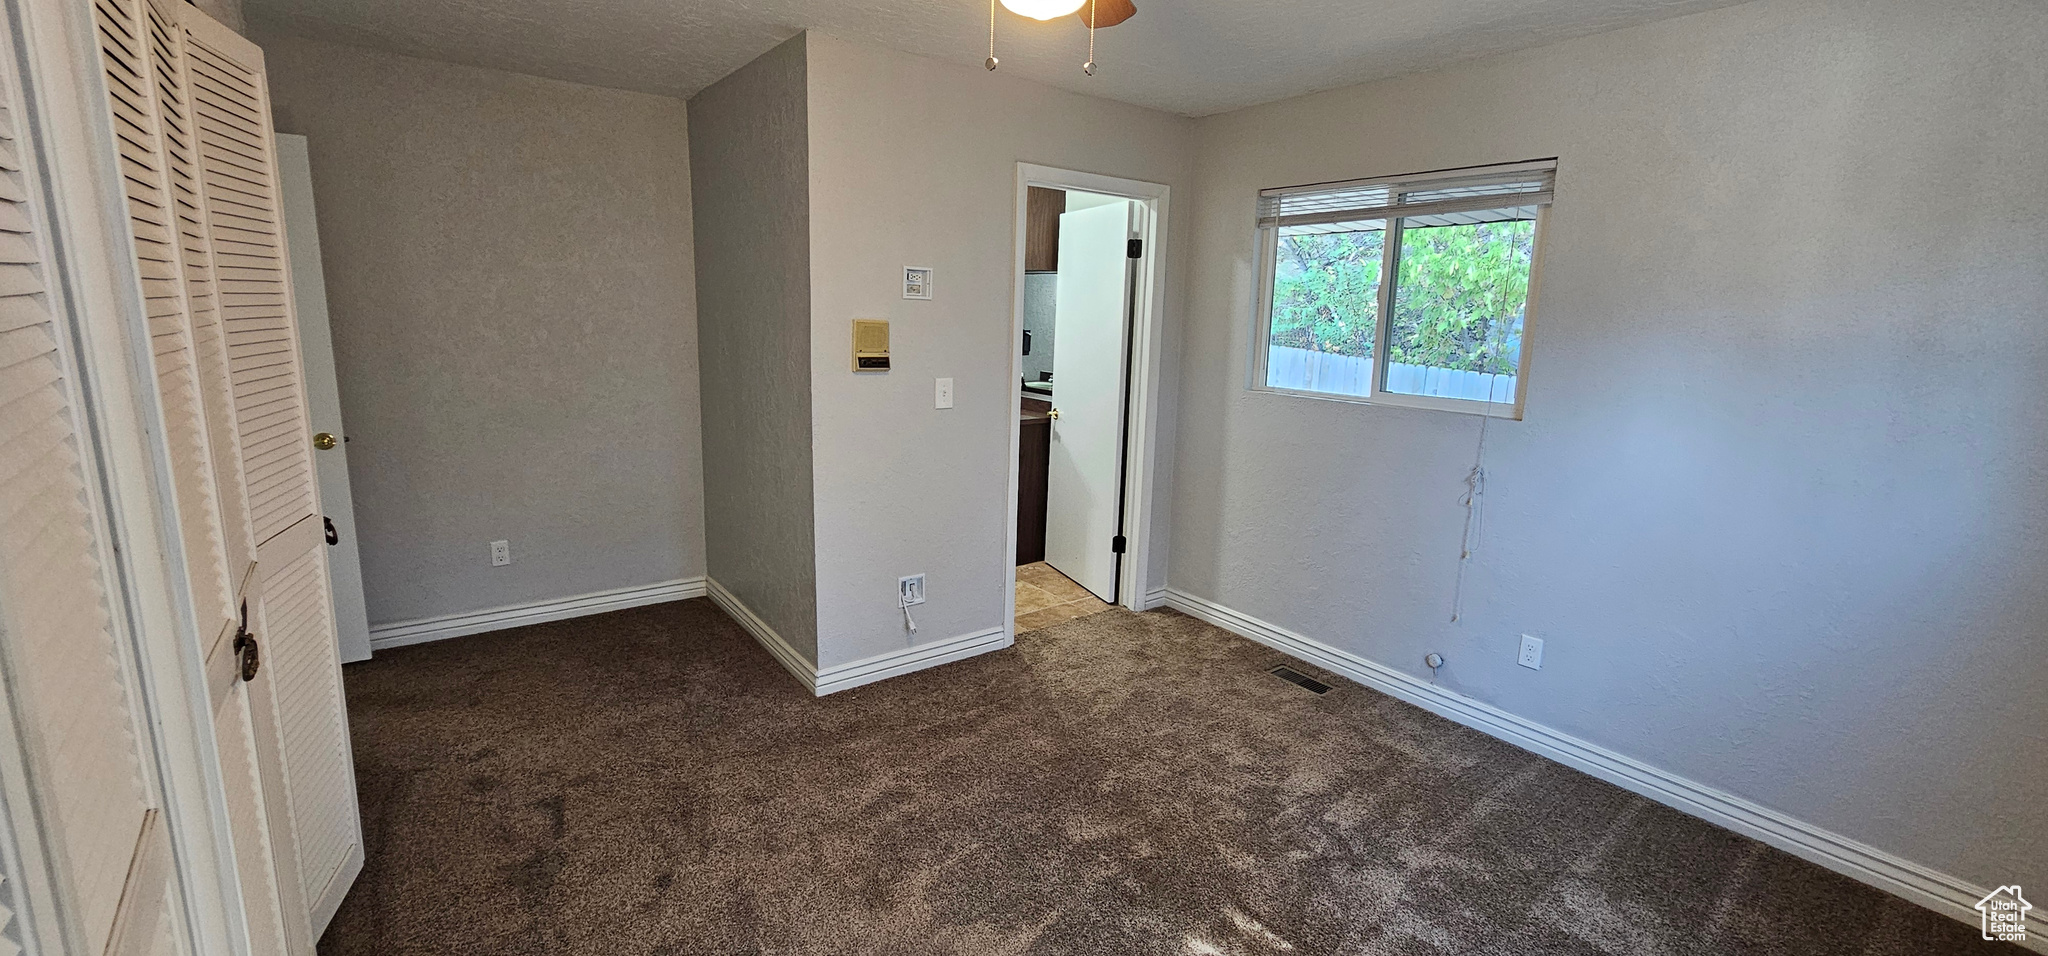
(1299, 679)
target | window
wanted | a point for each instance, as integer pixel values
(1410, 290)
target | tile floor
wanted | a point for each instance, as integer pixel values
(1046, 597)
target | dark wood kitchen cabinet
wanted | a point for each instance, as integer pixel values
(1042, 208)
(1034, 459)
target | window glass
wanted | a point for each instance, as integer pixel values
(1326, 302)
(1405, 290)
(1460, 297)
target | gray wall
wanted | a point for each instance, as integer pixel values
(914, 162)
(1780, 503)
(748, 161)
(508, 268)
(228, 12)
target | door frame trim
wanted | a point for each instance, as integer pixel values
(1141, 427)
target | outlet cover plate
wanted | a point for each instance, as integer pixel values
(501, 553)
(917, 282)
(1532, 653)
(910, 590)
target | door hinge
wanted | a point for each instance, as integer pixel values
(333, 536)
(1116, 545)
(245, 648)
(1134, 248)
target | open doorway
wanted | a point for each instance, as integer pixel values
(1086, 292)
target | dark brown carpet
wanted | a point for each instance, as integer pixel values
(650, 782)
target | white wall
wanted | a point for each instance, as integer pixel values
(914, 162)
(1814, 573)
(508, 271)
(749, 166)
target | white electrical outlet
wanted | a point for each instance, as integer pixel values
(942, 393)
(910, 590)
(1532, 653)
(501, 553)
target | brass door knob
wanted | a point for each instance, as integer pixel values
(1054, 414)
(323, 441)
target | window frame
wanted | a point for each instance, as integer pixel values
(1376, 393)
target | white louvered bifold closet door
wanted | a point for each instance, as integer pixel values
(71, 693)
(243, 201)
(204, 202)
(139, 52)
(247, 722)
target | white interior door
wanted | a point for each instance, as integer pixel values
(323, 397)
(1085, 470)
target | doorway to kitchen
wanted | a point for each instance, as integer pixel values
(1086, 329)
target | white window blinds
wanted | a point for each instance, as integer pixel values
(1447, 198)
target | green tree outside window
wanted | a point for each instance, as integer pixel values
(1459, 299)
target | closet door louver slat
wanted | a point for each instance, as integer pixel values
(10, 944)
(70, 692)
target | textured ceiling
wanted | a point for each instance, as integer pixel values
(1185, 56)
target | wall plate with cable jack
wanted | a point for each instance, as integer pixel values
(909, 591)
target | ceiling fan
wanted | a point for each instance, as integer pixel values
(1094, 13)
(1108, 13)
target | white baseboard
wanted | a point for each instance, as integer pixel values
(865, 671)
(798, 667)
(917, 658)
(401, 633)
(1937, 891)
(1155, 598)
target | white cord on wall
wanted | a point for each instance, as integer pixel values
(1475, 517)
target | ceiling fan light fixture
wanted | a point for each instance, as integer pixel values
(1042, 9)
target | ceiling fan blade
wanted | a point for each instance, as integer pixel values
(1108, 13)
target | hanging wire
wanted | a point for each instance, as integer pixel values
(1475, 516)
(1089, 67)
(991, 61)
(1475, 490)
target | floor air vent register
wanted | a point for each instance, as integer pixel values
(1299, 679)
